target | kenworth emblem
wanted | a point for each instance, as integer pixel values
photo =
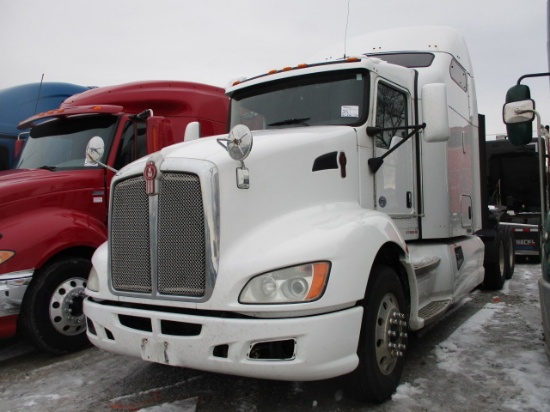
(149, 174)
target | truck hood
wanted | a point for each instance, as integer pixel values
(290, 170)
(28, 184)
(300, 143)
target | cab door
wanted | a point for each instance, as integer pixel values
(395, 180)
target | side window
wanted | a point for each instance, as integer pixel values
(391, 112)
(133, 144)
(458, 74)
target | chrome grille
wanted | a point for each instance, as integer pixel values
(177, 266)
(129, 237)
(181, 253)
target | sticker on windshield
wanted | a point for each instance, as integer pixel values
(349, 111)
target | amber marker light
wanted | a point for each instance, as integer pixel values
(319, 281)
(6, 255)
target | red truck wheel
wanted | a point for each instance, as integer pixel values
(51, 314)
(383, 338)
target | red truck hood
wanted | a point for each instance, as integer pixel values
(18, 184)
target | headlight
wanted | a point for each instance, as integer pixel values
(303, 283)
(93, 281)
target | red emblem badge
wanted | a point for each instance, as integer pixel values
(150, 173)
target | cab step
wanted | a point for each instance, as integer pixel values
(425, 264)
(434, 310)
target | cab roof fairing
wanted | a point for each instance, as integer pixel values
(433, 39)
(66, 113)
(165, 98)
(363, 62)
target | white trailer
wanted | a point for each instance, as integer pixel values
(339, 214)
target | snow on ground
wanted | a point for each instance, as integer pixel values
(499, 349)
(486, 354)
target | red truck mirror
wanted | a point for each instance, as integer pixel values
(157, 133)
(20, 143)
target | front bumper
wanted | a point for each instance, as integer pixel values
(544, 291)
(324, 346)
(12, 289)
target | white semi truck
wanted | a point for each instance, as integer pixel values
(339, 214)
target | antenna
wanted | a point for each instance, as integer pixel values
(38, 97)
(346, 32)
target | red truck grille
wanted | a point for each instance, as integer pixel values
(160, 253)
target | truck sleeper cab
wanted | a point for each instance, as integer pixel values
(338, 214)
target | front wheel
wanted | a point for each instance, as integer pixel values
(51, 313)
(382, 341)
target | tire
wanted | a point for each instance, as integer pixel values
(382, 341)
(51, 313)
(495, 263)
(510, 251)
(536, 258)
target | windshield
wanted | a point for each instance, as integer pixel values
(61, 143)
(329, 98)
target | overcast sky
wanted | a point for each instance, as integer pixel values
(106, 42)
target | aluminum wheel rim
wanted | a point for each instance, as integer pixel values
(389, 334)
(66, 312)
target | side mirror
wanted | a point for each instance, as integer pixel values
(94, 151)
(435, 112)
(20, 143)
(156, 134)
(238, 143)
(518, 112)
(518, 115)
(192, 131)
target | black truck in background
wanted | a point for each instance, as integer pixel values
(513, 192)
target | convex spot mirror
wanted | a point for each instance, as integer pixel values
(238, 143)
(516, 115)
(94, 151)
(519, 112)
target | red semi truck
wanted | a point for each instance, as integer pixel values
(54, 204)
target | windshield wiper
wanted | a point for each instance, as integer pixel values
(50, 168)
(294, 120)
